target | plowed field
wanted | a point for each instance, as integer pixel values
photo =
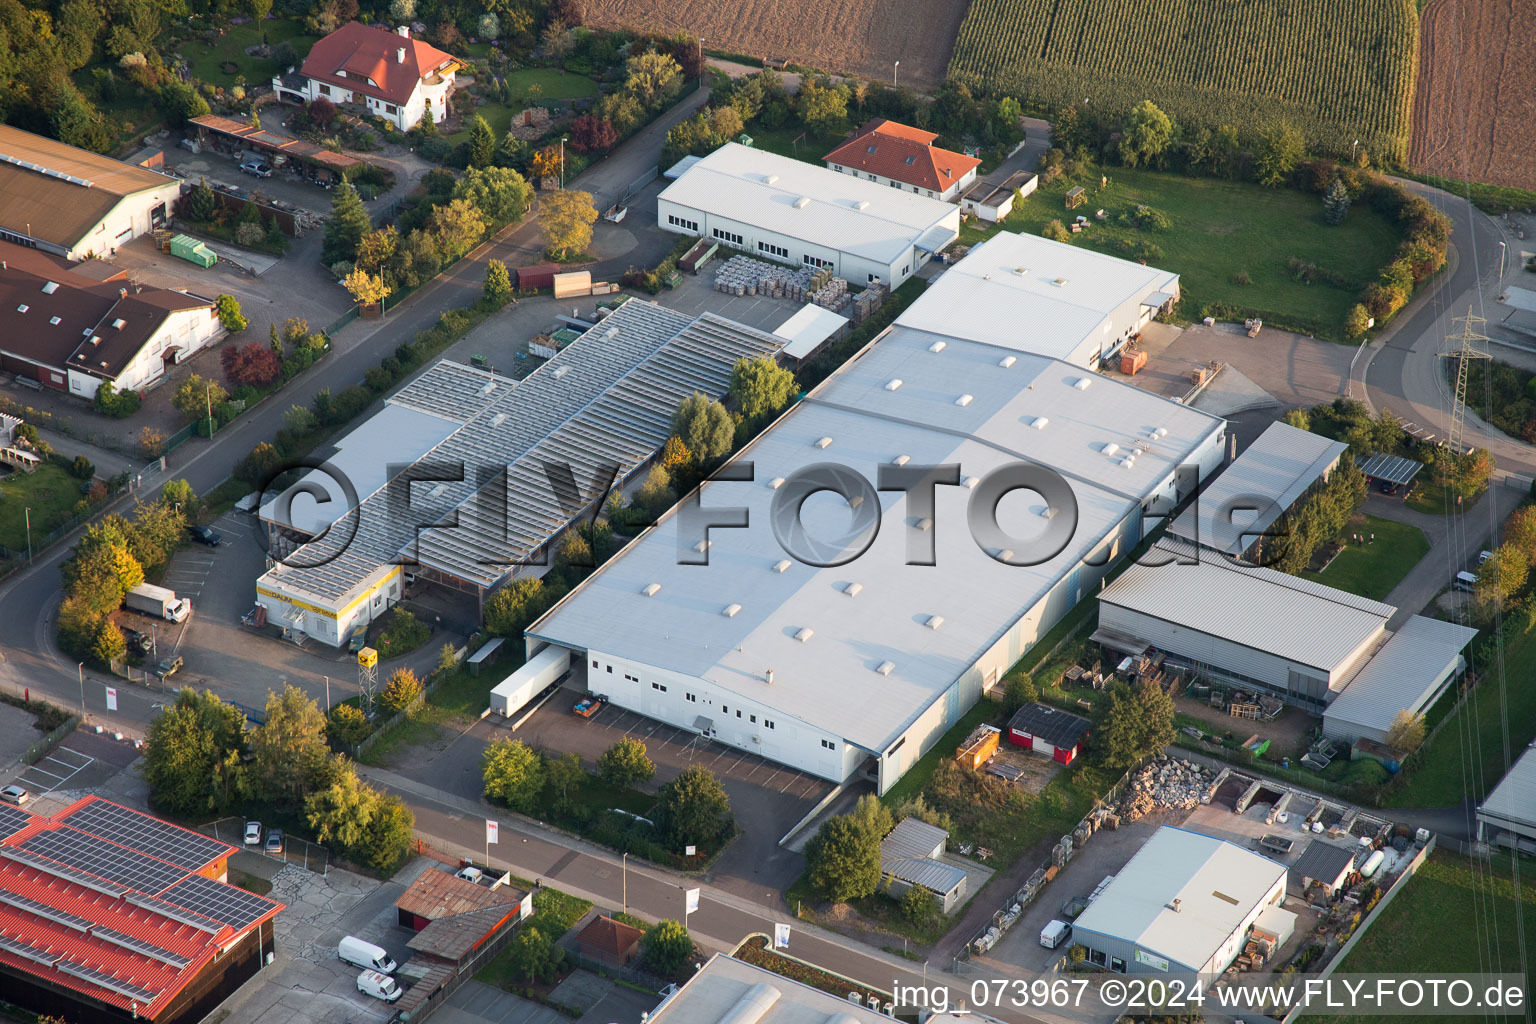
(1474, 110)
(864, 37)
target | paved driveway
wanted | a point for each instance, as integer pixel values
(476, 1003)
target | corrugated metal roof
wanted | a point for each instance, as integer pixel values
(453, 938)
(1257, 488)
(843, 213)
(1031, 294)
(913, 837)
(924, 871)
(436, 894)
(1053, 725)
(1216, 883)
(1405, 675)
(1324, 862)
(807, 328)
(1514, 798)
(1270, 611)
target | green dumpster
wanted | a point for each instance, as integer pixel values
(193, 251)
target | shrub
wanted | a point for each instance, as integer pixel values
(347, 725)
(1056, 231)
(1241, 278)
(404, 633)
(400, 692)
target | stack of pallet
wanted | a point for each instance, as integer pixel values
(867, 301)
(742, 275)
(829, 292)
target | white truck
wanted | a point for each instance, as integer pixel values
(159, 602)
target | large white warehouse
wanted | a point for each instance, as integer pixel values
(789, 211)
(1032, 294)
(859, 667)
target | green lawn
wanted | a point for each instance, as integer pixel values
(554, 914)
(1373, 569)
(1437, 501)
(1220, 229)
(1437, 780)
(554, 84)
(205, 60)
(1467, 909)
(49, 492)
(795, 141)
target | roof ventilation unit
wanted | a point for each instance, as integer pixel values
(924, 524)
(964, 400)
(730, 610)
(119, 324)
(937, 346)
(1007, 361)
(55, 321)
(651, 589)
(702, 546)
(1160, 432)
(802, 202)
(775, 483)
(893, 384)
(1083, 383)
(490, 386)
(1039, 422)
(782, 565)
(1127, 463)
(50, 287)
(498, 419)
(970, 482)
(805, 634)
(861, 204)
(23, 308)
(1110, 448)
(612, 332)
(770, 179)
(1060, 282)
(96, 340)
(934, 621)
(1003, 554)
(901, 460)
(885, 667)
(852, 589)
(823, 442)
(438, 491)
(561, 371)
(1047, 512)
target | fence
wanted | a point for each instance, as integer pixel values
(330, 329)
(296, 849)
(37, 750)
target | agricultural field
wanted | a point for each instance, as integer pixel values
(864, 37)
(1476, 96)
(1338, 71)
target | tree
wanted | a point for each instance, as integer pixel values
(651, 78)
(693, 809)
(760, 386)
(341, 811)
(321, 111)
(1145, 135)
(592, 134)
(919, 906)
(1520, 532)
(456, 226)
(81, 468)
(1135, 723)
(230, 316)
(260, 466)
(1336, 202)
(378, 251)
(667, 947)
(289, 748)
(1357, 321)
(1018, 691)
(498, 285)
(254, 365)
(197, 396)
(390, 833)
(185, 746)
(655, 494)
(1276, 152)
(401, 691)
(823, 107)
(348, 224)
(102, 570)
(674, 454)
(512, 608)
(704, 426)
(872, 816)
(843, 860)
(346, 724)
(1502, 575)
(1070, 131)
(366, 289)
(202, 202)
(179, 492)
(563, 777)
(110, 645)
(181, 102)
(625, 763)
(482, 142)
(499, 193)
(513, 774)
(566, 219)
(511, 151)
(1406, 731)
(533, 956)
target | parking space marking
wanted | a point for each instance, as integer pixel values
(73, 769)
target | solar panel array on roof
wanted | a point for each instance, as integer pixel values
(24, 950)
(45, 912)
(140, 831)
(12, 820)
(234, 907)
(141, 947)
(107, 981)
(103, 859)
(80, 878)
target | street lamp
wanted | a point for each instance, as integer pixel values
(894, 69)
(624, 880)
(81, 669)
(701, 62)
(29, 525)
(1352, 150)
(1503, 248)
(562, 164)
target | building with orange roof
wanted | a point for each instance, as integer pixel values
(389, 74)
(904, 157)
(111, 914)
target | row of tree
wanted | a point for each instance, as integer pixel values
(1315, 520)
(201, 759)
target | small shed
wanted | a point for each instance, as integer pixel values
(1325, 864)
(436, 895)
(806, 333)
(1076, 196)
(993, 201)
(608, 941)
(1049, 731)
(909, 855)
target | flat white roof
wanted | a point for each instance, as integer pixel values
(1257, 488)
(808, 202)
(1404, 675)
(1270, 611)
(1029, 293)
(1514, 798)
(807, 328)
(866, 423)
(1216, 883)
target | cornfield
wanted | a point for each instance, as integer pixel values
(1338, 70)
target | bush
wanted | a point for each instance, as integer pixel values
(347, 725)
(81, 468)
(625, 763)
(1056, 231)
(402, 690)
(404, 633)
(667, 946)
(919, 906)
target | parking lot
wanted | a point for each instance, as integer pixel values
(82, 763)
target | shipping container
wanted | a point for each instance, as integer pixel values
(572, 284)
(537, 277)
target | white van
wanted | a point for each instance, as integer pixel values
(366, 955)
(380, 986)
(1465, 581)
(1054, 934)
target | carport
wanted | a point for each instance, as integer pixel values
(1390, 472)
(230, 137)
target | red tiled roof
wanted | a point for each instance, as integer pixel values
(99, 939)
(366, 52)
(903, 153)
(609, 936)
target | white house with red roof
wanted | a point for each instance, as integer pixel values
(904, 157)
(390, 74)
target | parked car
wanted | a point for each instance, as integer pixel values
(253, 833)
(203, 535)
(169, 666)
(470, 874)
(274, 840)
(256, 168)
(381, 986)
(589, 706)
(15, 795)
